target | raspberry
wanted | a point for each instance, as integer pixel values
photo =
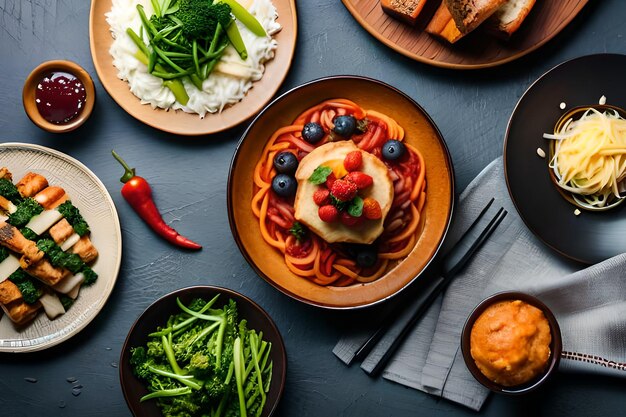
(371, 209)
(328, 213)
(349, 220)
(361, 179)
(343, 190)
(353, 161)
(330, 180)
(321, 196)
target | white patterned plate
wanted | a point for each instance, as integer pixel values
(95, 204)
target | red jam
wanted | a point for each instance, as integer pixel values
(60, 97)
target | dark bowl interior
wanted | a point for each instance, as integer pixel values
(158, 313)
(555, 344)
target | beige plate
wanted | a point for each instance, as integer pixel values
(477, 50)
(179, 122)
(420, 131)
(94, 202)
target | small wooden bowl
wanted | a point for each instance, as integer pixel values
(30, 86)
(555, 344)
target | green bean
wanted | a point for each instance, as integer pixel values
(245, 17)
(151, 30)
(166, 59)
(194, 49)
(196, 80)
(171, 75)
(232, 31)
(216, 35)
(156, 7)
(139, 42)
(152, 61)
(176, 86)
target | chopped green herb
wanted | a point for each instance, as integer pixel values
(29, 287)
(59, 258)
(9, 191)
(66, 301)
(4, 253)
(90, 275)
(28, 233)
(26, 210)
(320, 175)
(355, 209)
(298, 231)
(341, 205)
(73, 216)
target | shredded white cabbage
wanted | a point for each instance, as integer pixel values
(227, 84)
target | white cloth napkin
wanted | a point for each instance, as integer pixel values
(590, 305)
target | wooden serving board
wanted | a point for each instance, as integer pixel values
(476, 50)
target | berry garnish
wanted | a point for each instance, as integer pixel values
(321, 197)
(353, 161)
(349, 220)
(284, 185)
(343, 190)
(371, 209)
(330, 180)
(285, 163)
(344, 126)
(361, 179)
(313, 132)
(393, 150)
(328, 213)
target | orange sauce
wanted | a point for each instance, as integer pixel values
(510, 342)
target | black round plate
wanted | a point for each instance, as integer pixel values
(590, 237)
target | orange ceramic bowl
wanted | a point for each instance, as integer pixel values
(30, 86)
(420, 131)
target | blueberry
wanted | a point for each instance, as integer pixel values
(285, 163)
(313, 132)
(393, 150)
(366, 257)
(284, 185)
(344, 125)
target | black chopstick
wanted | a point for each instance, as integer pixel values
(386, 339)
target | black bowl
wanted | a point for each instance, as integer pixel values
(159, 312)
(555, 344)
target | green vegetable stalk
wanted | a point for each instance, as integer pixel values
(246, 18)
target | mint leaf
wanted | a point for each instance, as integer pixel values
(341, 205)
(320, 174)
(355, 209)
(298, 231)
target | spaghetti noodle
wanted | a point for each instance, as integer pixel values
(311, 257)
(590, 157)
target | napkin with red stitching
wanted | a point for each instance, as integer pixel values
(589, 304)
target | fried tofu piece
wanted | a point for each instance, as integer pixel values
(9, 292)
(31, 184)
(85, 249)
(12, 239)
(20, 312)
(5, 173)
(46, 272)
(61, 231)
(51, 197)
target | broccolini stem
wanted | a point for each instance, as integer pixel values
(239, 377)
(169, 353)
(166, 393)
(232, 31)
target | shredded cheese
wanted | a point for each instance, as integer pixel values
(590, 157)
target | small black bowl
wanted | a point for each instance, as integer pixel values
(158, 313)
(555, 344)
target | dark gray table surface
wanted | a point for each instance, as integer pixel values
(189, 180)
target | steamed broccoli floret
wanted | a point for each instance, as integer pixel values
(31, 290)
(200, 17)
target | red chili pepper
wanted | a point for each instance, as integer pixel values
(138, 193)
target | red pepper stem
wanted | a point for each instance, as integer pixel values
(128, 171)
